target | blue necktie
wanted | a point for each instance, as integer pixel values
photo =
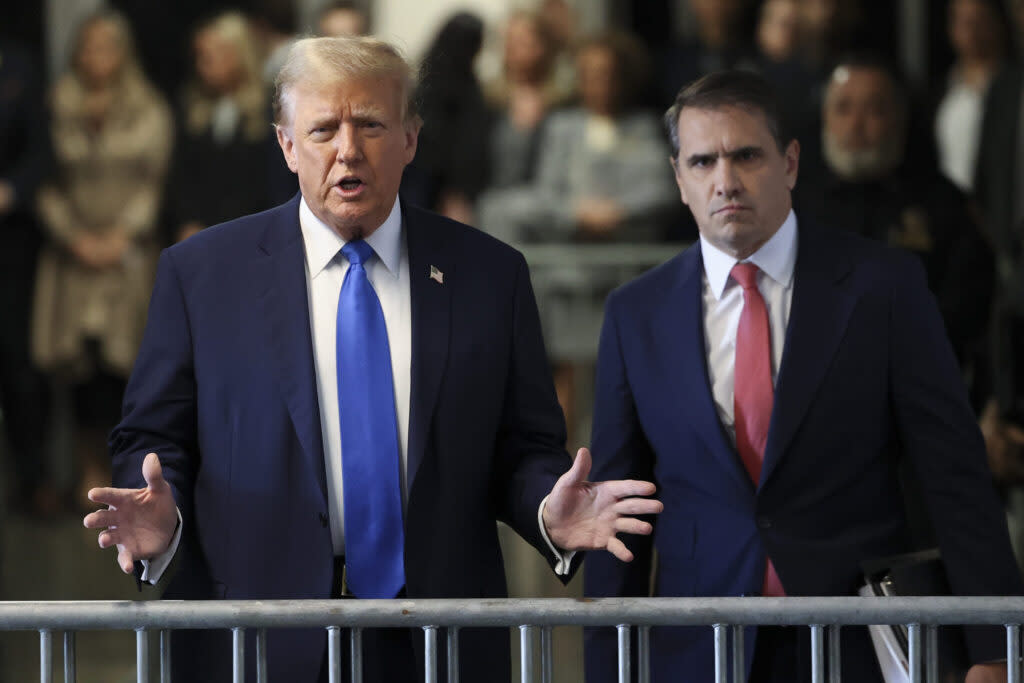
(374, 537)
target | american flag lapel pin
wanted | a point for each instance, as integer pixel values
(436, 275)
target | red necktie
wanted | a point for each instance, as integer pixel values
(752, 388)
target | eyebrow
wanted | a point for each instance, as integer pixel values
(695, 159)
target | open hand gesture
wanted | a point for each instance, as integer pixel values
(584, 515)
(140, 522)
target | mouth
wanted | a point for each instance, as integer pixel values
(350, 186)
(730, 209)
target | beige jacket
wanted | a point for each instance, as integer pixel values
(107, 179)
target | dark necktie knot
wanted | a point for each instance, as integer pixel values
(358, 252)
(745, 274)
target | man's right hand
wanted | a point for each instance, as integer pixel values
(140, 522)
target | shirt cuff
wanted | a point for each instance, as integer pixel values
(563, 558)
(154, 568)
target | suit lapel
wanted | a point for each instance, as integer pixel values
(286, 310)
(680, 319)
(818, 317)
(431, 320)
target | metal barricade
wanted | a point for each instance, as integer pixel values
(824, 616)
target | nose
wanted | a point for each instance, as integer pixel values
(350, 146)
(727, 180)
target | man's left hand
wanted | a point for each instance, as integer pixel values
(584, 515)
(987, 673)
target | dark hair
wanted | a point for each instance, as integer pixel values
(732, 88)
(632, 61)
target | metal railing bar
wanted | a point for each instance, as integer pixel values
(931, 653)
(720, 653)
(238, 655)
(261, 655)
(430, 647)
(70, 660)
(453, 654)
(834, 654)
(214, 614)
(914, 652)
(547, 660)
(141, 655)
(334, 654)
(643, 654)
(356, 642)
(45, 656)
(165, 656)
(525, 653)
(817, 653)
(739, 667)
(625, 661)
(1013, 653)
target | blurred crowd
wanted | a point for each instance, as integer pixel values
(160, 126)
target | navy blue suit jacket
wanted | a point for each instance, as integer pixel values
(867, 378)
(224, 392)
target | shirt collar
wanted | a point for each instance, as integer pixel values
(776, 258)
(323, 243)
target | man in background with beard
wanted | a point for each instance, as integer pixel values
(873, 183)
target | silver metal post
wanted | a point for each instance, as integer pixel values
(547, 666)
(739, 667)
(625, 663)
(834, 654)
(643, 654)
(525, 653)
(70, 663)
(931, 653)
(817, 653)
(46, 656)
(261, 655)
(430, 646)
(334, 654)
(141, 655)
(914, 654)
(165, 656)
(1013, 653)
(453, 654)
(720, 652)
(238, 655)
(357, 654)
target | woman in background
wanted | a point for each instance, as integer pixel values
(112, 136)
(223, 132)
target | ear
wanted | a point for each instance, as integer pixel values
(412, 136)
(792, 163)
(679, 180)
(284, 139)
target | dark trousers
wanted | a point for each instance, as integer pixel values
(776, 655)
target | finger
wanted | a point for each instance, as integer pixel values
(125, 559)
(106, 495)
(624, 488)
(619, 549)
(629, 525)
(1015, 433)
(108, 538)
(152, 472)
(101, 519)
(578, 472)
(638, 506)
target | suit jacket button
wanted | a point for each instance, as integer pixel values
(323, 520)
(764, 523)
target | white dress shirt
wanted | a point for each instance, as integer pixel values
(723, 303)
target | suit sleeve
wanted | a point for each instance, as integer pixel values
(531, 440)
(159, 412)
(940, 435)
(620, 451)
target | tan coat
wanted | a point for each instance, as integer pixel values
(107, 179)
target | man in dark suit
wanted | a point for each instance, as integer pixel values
(770, 379)
(339, 397)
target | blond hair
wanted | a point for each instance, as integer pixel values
(323, 61)
(249, 96)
